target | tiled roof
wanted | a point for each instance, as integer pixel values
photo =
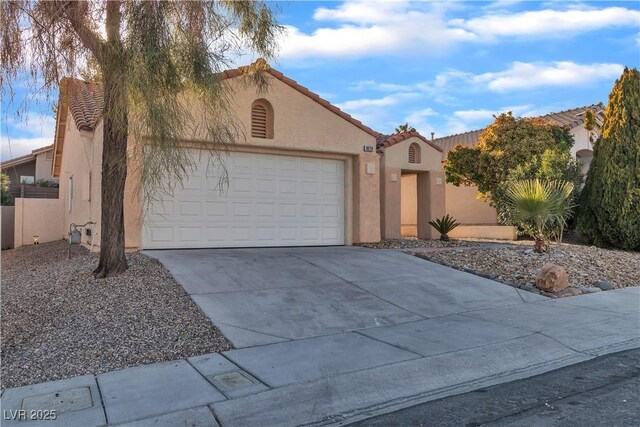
(86, 103)
(467, 138)
(567, 118)
(263, 66)
(16, 161)
(384, 141)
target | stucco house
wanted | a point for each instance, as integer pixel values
(31, 167)
(306, 174)
(462, 202)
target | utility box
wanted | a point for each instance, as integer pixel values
(74, 237)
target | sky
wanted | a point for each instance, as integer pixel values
(443, 67)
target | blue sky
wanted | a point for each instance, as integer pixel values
(444, 67)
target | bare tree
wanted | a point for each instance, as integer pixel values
(151, 56)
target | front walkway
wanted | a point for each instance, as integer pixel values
(332, 335)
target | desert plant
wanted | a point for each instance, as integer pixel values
(444, 225)
(540, 207)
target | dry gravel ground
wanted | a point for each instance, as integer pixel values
(518, 264)
(413, 243)
(58, 321)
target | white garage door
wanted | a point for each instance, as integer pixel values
(270, 201)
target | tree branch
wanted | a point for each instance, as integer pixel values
(89, 38)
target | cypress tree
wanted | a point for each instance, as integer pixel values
(610, 202)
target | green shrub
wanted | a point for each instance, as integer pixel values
(6, 199)
(610, 202)
(444, 225)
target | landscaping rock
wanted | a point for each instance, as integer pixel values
(588, 290)
(552, 278)
(604, 285)
(569, 292)
(584, 264)
(530, 288)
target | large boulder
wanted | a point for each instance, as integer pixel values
(552, 278)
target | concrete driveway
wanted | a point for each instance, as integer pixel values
(338, 334)
(263, 296)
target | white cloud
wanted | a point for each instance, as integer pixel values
(20, 136)
(363, 28)
(547, 23)
(355, 29)
(523, 75)
(375, 111)
(419, 119)
(382, 87)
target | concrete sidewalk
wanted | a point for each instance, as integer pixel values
(470, 334)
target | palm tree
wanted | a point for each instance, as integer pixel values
(404, 128)
(539, 206)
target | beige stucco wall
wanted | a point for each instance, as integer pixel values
(431, 202)
(38, 217)
(463, 205)
(429, 191)
(397, 156)
(82, 160)
(302, 127)
(409, 205)
(494, 232)
(43, 166)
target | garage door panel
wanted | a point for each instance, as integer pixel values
(270, 201)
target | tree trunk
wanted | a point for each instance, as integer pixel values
(114, 148)
(114, 175)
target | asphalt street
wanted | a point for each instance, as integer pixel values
(600, 392)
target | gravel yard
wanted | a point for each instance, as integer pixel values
(518, 264)
(58, 321)
(413, 243)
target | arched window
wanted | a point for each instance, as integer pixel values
(261, 119)
(414, 153)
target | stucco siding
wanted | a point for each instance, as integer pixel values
(81, 162)
(43, 166)
(462, 204)
(398, 156)
(302, 127)
(38, 217)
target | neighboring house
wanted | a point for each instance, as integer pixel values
(462, 202)
(30, 168)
